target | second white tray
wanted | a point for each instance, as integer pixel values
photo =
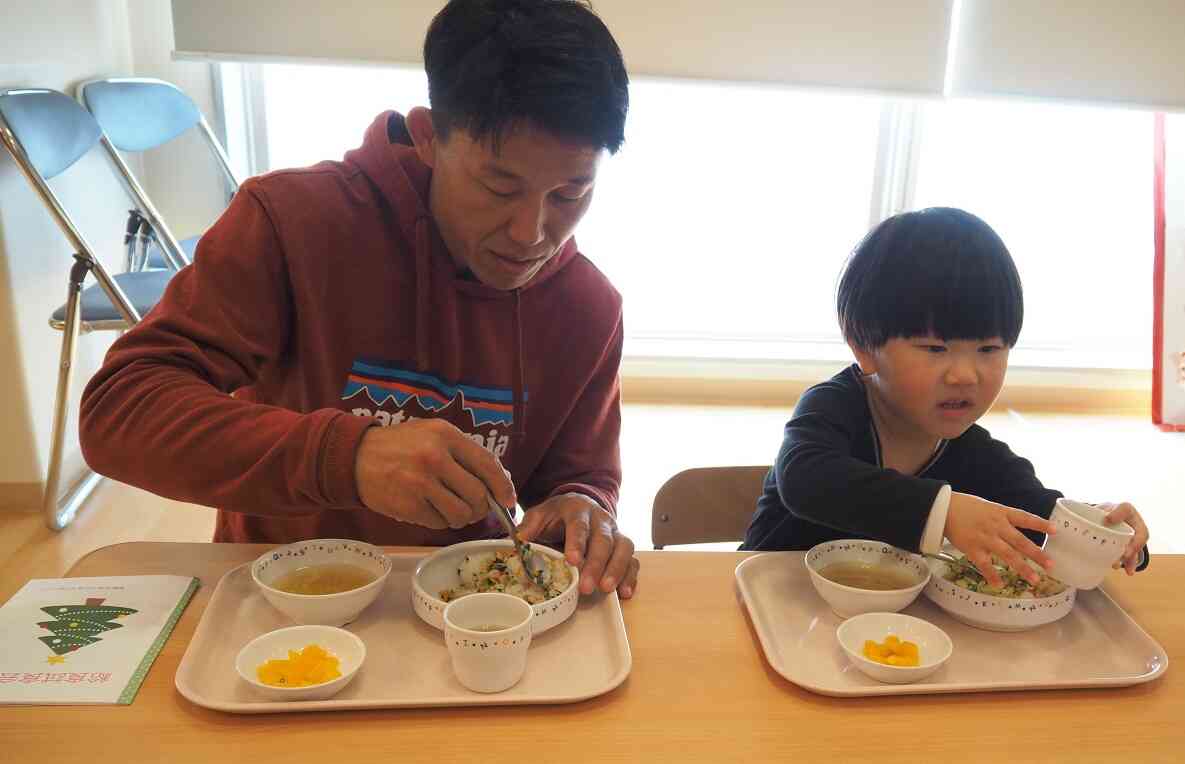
(1096, 645)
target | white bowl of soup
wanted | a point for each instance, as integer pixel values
(856, 576)
(322, 581)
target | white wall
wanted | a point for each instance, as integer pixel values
(57, 44)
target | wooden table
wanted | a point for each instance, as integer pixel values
(699, 690)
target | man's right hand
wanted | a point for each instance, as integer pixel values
(427, 472)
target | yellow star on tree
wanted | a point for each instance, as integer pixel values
(55, 659)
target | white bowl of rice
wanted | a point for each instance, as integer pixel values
(490, 565)
(1018, 606)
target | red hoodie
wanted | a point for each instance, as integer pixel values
(324, 302)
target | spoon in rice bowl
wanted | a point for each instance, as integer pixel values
(537, 571)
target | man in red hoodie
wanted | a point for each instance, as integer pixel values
(371, 348)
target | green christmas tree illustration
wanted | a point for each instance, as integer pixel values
(79, 625)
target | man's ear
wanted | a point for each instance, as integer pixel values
(423, 134)
(865, 358)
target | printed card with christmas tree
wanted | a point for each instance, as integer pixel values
(86, 640)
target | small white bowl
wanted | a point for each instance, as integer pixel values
(934, 646)
(324, 609)
(848, 601)
(348, 648)
(438, 571)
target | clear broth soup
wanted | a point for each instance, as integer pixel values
(331, 578)
(864, 575)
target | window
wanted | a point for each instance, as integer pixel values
(320, 112)
(725, 218)
(1069, 189)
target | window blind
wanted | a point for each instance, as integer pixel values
(1101, 51)
(861, 44)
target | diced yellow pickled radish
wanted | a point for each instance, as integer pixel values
(312, 665)
(894, 652)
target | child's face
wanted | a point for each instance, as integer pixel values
(937, 387)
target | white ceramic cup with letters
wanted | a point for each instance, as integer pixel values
(487, 635)
(1083, 547)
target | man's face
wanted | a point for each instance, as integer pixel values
(504, 214)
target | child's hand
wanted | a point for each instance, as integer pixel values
(981, 528)
(1127, 513)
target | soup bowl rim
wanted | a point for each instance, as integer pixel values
(379, 579)
(919, 585)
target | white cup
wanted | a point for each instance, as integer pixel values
(487, 635)
(1083, 548)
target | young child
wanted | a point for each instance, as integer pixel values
(930, 304)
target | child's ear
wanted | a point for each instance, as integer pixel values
(865, 359)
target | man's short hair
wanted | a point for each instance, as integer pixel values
(938, 271)
(494, 65)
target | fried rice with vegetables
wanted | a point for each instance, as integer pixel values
(966, 576)
(502, 571)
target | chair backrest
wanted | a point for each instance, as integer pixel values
(46, 132)
(50, 128)
(139, 114)
(706, 504)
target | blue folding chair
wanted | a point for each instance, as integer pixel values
(138, 114)
(47, 132)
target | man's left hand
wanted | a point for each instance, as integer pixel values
(592, 542)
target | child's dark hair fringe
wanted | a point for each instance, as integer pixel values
(939, 271)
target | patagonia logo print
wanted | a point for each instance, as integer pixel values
(393, 394)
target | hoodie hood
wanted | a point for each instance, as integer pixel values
(388, 159)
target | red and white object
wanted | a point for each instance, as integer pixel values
(1168, 334)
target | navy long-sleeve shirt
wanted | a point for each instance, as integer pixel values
(829, 481)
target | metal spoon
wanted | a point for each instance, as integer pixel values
(530, 564)
(952, 560)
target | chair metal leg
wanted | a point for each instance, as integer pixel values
(58, 516)
(68, 507)
(170, 248)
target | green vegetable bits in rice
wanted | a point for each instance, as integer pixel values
(502, 571)
(1016, 587)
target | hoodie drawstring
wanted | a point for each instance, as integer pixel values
(422, 288)
(520, 405)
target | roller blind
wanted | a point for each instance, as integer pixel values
(863, 44)
(1104, 51)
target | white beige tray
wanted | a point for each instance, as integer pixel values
(1096, 645)
(406, 661)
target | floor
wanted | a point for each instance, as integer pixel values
(1094, 458)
